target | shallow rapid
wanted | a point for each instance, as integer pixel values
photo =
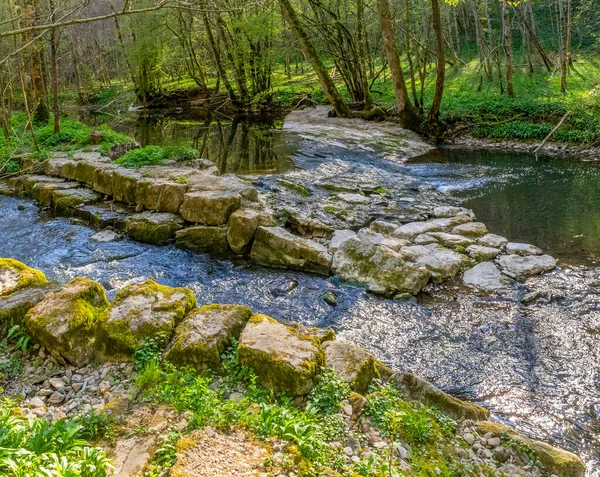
(535, 365)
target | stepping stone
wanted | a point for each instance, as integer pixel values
(523, 249)
(486, 276)
(530, 265)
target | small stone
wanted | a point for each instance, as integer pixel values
(347, 410)
(56, 398)
(36, 402)
(348, 451)
(494, 442)
(492, 240)
(104, 236)
(77, 387)
(57, 383)
(471, 230)
(469, 438)
(330, 298)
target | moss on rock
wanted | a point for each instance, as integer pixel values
(202, 337)
(149, 227)
(65, 321)
(138, 312)
(15, 275)
(284, 360)
(352, 364)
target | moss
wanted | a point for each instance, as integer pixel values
(300, 189)
(27, 276)
(121, 336)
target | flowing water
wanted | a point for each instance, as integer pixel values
(534, 366)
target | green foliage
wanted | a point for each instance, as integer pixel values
(155, 155)
(166, 454)
(96, 425)
(18, 336)
(328, 392)
(35, 447)
(150, 350)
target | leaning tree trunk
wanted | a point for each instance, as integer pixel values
(332, 93)
(407, 113)
(434, 111)
(362, 55)
(507, 31)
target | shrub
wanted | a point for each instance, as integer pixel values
(155, 155)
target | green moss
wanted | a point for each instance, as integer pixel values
(27, 276)
(300, 189)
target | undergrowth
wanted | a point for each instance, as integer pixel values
(156, 155)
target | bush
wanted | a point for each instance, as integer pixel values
(155, 155)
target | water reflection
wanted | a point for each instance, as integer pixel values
(245, 145)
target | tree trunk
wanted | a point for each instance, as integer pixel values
(361, 54)
(434, 110)
(407, 113)
(53, 56)
(332, 93)
(508, 51)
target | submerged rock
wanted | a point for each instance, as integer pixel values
(417, 389)
(486, 276)
(65, 321)
(378, 267)
(203, 239)
(276, 247)
(15, 275)
(283, 359)
(530, 265)
(202, 337)
(555, 461)
(152, 227)
(352, 364)
(141, 311)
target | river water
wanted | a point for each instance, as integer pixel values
(536, 366)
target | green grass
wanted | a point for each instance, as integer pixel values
(156, 155)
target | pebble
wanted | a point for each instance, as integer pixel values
(469, 438)
(36, 402)
(56, 398)
(494, 441)
(57, 383)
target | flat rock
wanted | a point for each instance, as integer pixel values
(15, 275)
(212, 207)
(486, 276)
(383, 227)
(447, 211)
(377, 238)
(203, 239)
(471, 229)
(411, 230)
(202, 337)
(451, 240)
(451, 222)
(140, 311)
(481, 253)
(351, 364)
(354, 198)
(492, 240)
(283, 359)
(524, 249)
(70, 198)
(530, 265)
(425, 239)
(441, 262)
(65, 321)
(276, 247)
(152, 227)
(379, 267)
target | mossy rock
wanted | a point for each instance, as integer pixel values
(202, 337)
(141, 311)
(417, 389)
(554, 460)
(203, 239)
(15, 275)
(103, 179)
(71, 198)
(65, 321)
(15, 306)
(149, 227)
(352, 364)
(124, 185)
(283, 359)
(43, 192)
(242, 228)
(210, 207)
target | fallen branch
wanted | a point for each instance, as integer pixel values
(552, 132)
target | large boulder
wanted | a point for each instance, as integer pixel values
(519, 266)
(65, 321)
(210, 207)
(202, 337)
(380, 268)
(352, 364)
(203, 239)
(54, 167)
(150, 227)
(276, 247)
(124, 184)
(242, 227)
(283, 359)
(15, 275)
(417, 389)
(160, 195)
(139, 312)
(340, 237)
(486, 276)
(43, 192)
(441, 262)
(555, 461)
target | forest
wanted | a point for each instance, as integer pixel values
(501, 68)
